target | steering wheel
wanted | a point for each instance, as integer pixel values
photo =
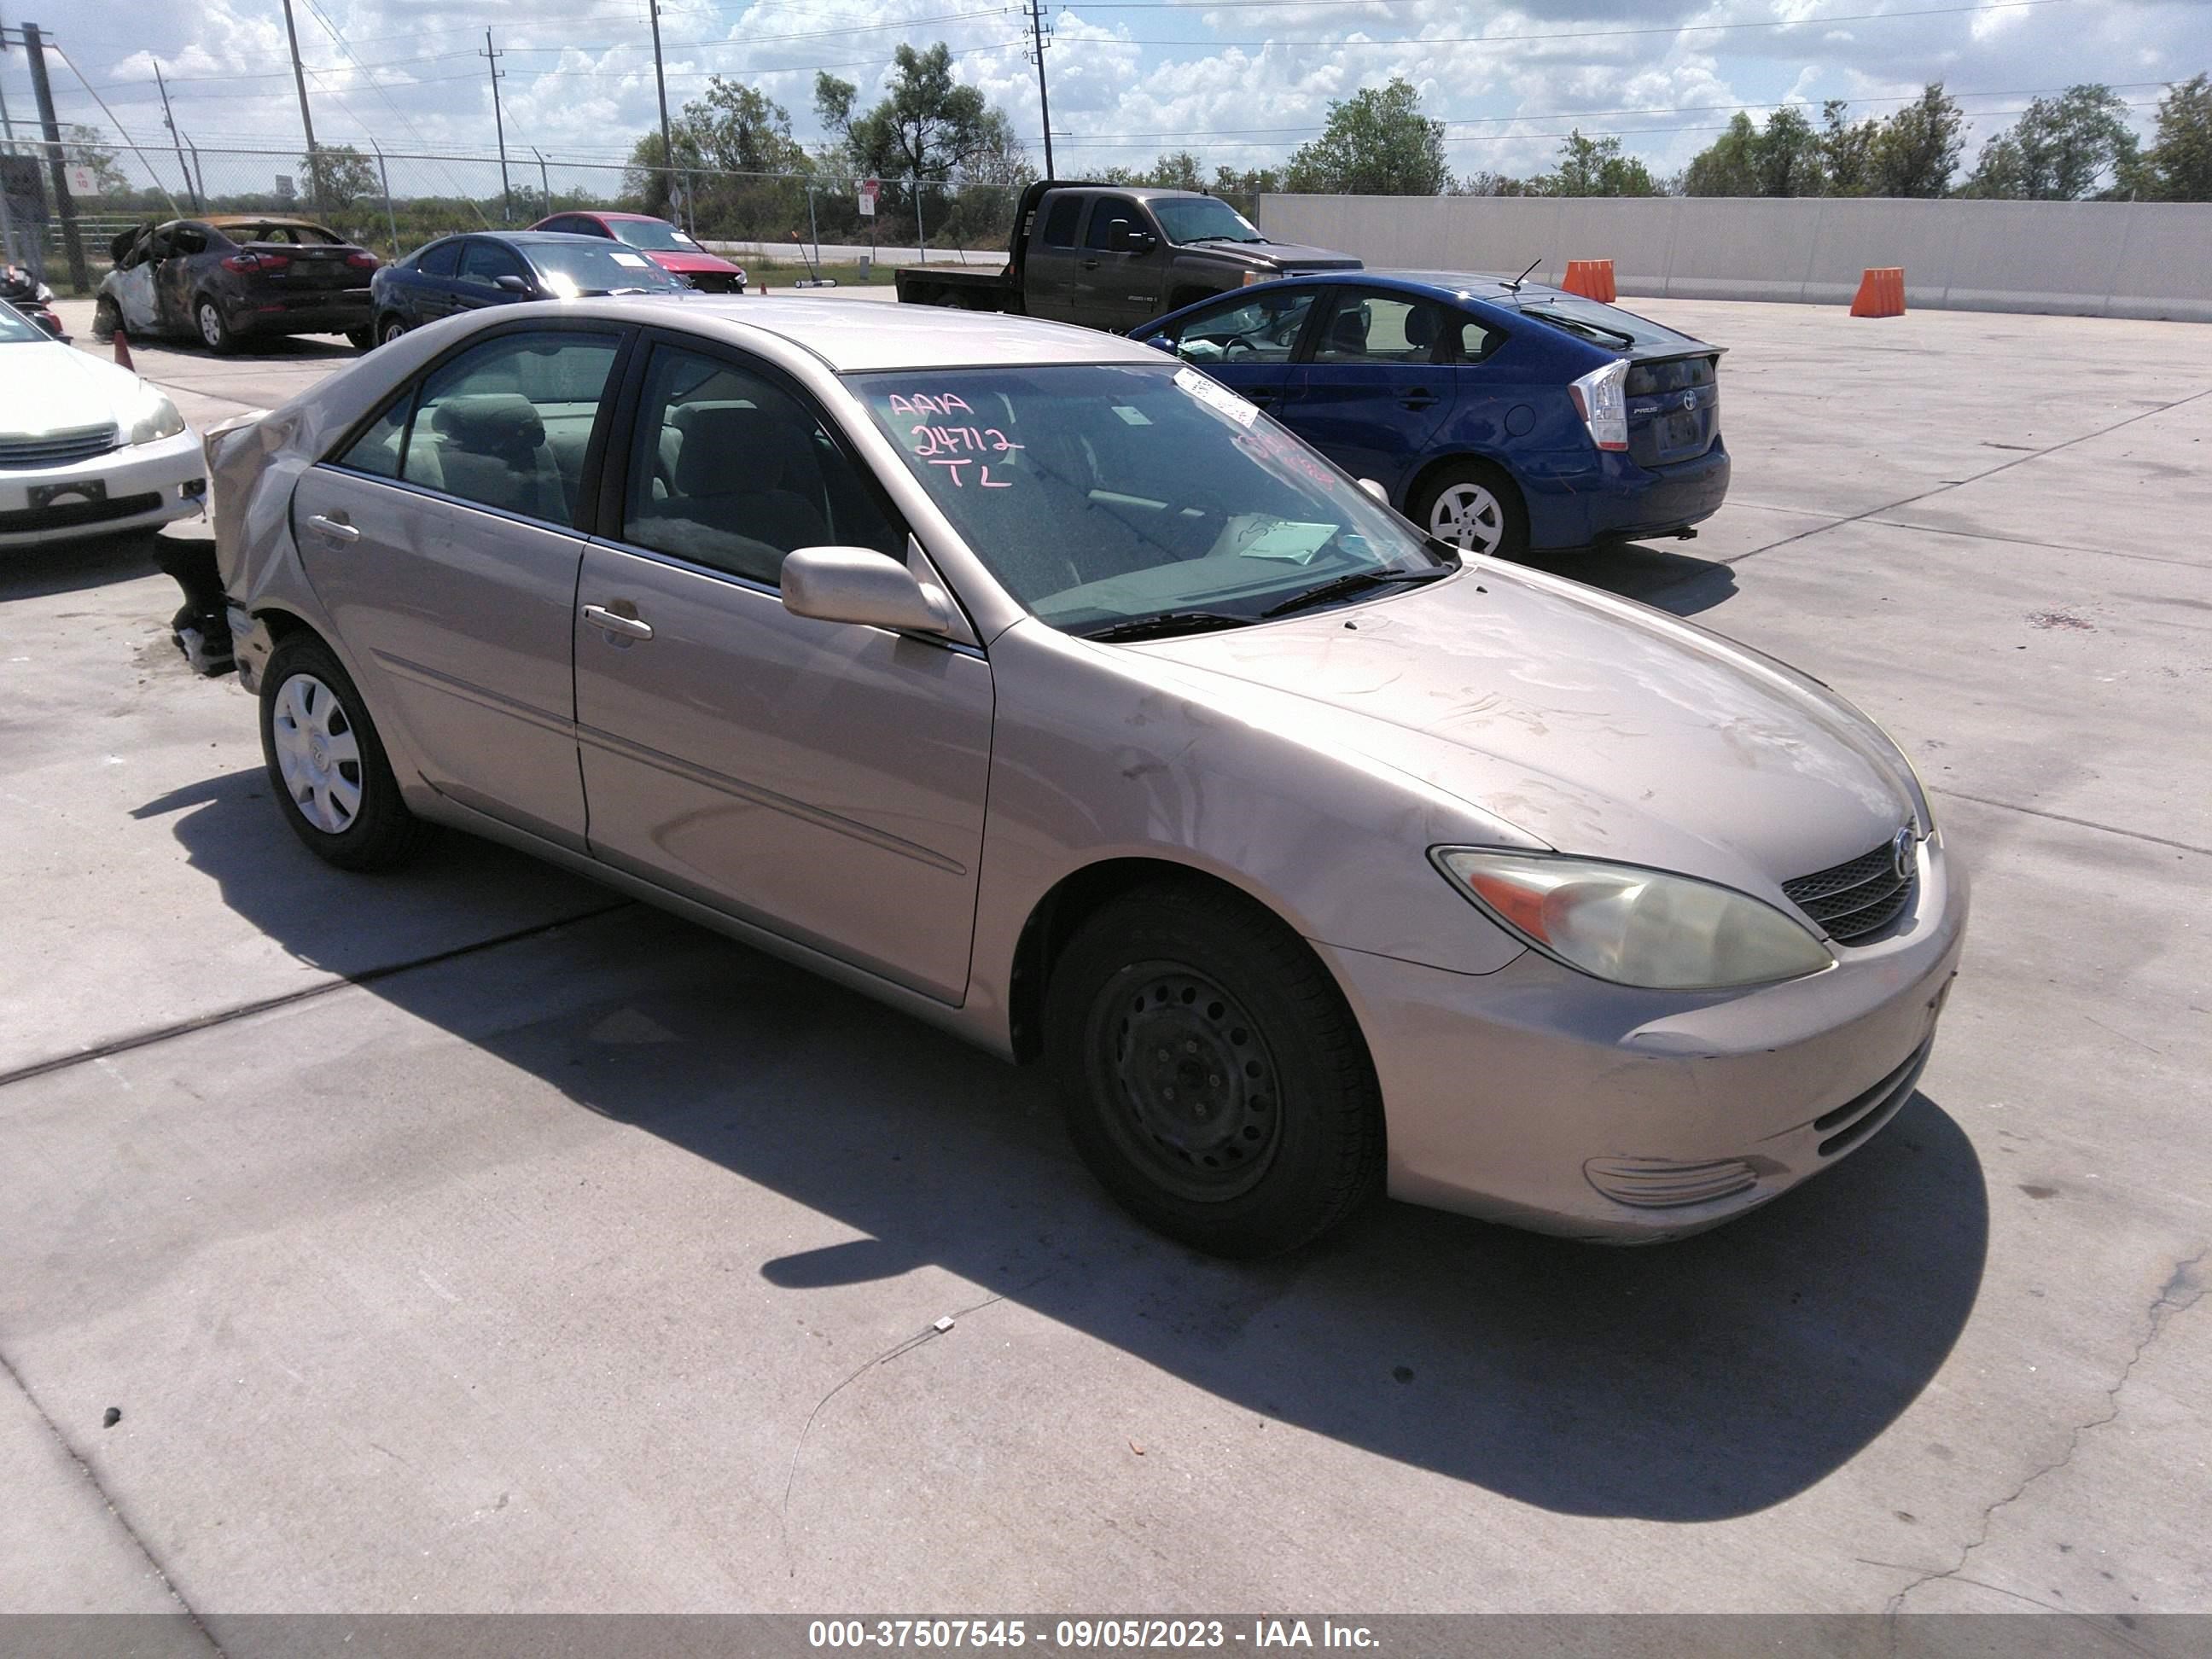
(1231, 348)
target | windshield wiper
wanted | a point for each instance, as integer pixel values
(1357, 581)
(1162, 624)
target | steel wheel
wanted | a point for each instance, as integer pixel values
(1192, 1086)
(318, 754)
(1469, 516)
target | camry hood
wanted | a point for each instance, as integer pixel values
(1591, 724)
(54, 387)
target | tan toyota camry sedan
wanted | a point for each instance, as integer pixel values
(1029, 680)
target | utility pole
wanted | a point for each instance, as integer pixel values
(660, 82)
(498, 125)
(544, 180)
(64, 204)
(169, 121)
(307, 121)
(1044, 101)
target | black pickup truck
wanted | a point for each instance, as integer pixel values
(1114, 256)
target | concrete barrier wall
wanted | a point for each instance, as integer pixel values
(2150, 259)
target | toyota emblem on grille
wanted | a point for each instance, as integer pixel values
(1901, 847)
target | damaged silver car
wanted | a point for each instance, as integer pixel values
(1037, 686)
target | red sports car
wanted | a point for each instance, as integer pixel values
(670, 249)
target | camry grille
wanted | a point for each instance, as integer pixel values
(77, 443)
(1854, 900)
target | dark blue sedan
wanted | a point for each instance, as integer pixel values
(1498, 417)
(462, 273)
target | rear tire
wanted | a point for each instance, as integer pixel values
(1213, 1077)
(1474, 506)
(327, 765)
(362, 338)
(215, 333)
(390, 329)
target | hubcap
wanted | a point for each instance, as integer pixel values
(210, 324)
(1192, 1087)
(1470, 517)
(392, 332)
(317, 753)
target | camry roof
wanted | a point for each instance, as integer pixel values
(854, 335)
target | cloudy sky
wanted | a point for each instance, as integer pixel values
(1235, 80)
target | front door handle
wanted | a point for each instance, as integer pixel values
(630, 627)
(335, 528)
(1419, 397)
(1260, 396)
(1091, 265)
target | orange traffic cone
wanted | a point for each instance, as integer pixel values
(1592, 279)
(123, 351)
(1881, 292)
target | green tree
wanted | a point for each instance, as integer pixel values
(87, 147)
(650, 178)
(1847, 150)
(1917, 150)
(1486, 183)
(1595, 167)
(1246, 182)
(339, 178)
(2177, 166)
(740, 129)
(1729, 165)
(1376, 142)
(2060, 150)
(930, 127)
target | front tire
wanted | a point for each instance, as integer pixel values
(1214, 1079)
(390, 329)
(327, 765)
(215, 332)
(1474, 507)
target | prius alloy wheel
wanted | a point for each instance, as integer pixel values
(1475, 508)
(327, 764)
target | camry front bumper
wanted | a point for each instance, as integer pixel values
(133, 487)
(1542, 1097)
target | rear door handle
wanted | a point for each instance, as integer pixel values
(1260, 396)
(615, 622)
(1420, 397)
(337, 529)
(1091, 265)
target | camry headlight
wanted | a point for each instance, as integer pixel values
(157, 418)
(1635, 927)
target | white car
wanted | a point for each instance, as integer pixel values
(86, 448)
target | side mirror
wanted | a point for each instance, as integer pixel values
(1375, 490)
(1122, 237)
(860, 586)
(510, 284)
(1161, 342)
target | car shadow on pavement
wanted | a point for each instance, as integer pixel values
(1697, 1381)
(1673, 583)
(32, 572)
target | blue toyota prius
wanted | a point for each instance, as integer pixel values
(1498, 417)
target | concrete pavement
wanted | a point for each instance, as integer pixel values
(540, 1252)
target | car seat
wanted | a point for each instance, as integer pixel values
(492, 449)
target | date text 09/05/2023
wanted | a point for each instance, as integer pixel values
(1085, 1634)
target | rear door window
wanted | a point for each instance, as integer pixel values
(439, 260)
(1376, 326)
(506, 424)
(1060, 227)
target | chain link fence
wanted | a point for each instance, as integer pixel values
(62, 207)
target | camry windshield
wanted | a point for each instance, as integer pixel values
(655, 234)
(1203, 219)
(579, 267)
(1122, 499)
(15, 329)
